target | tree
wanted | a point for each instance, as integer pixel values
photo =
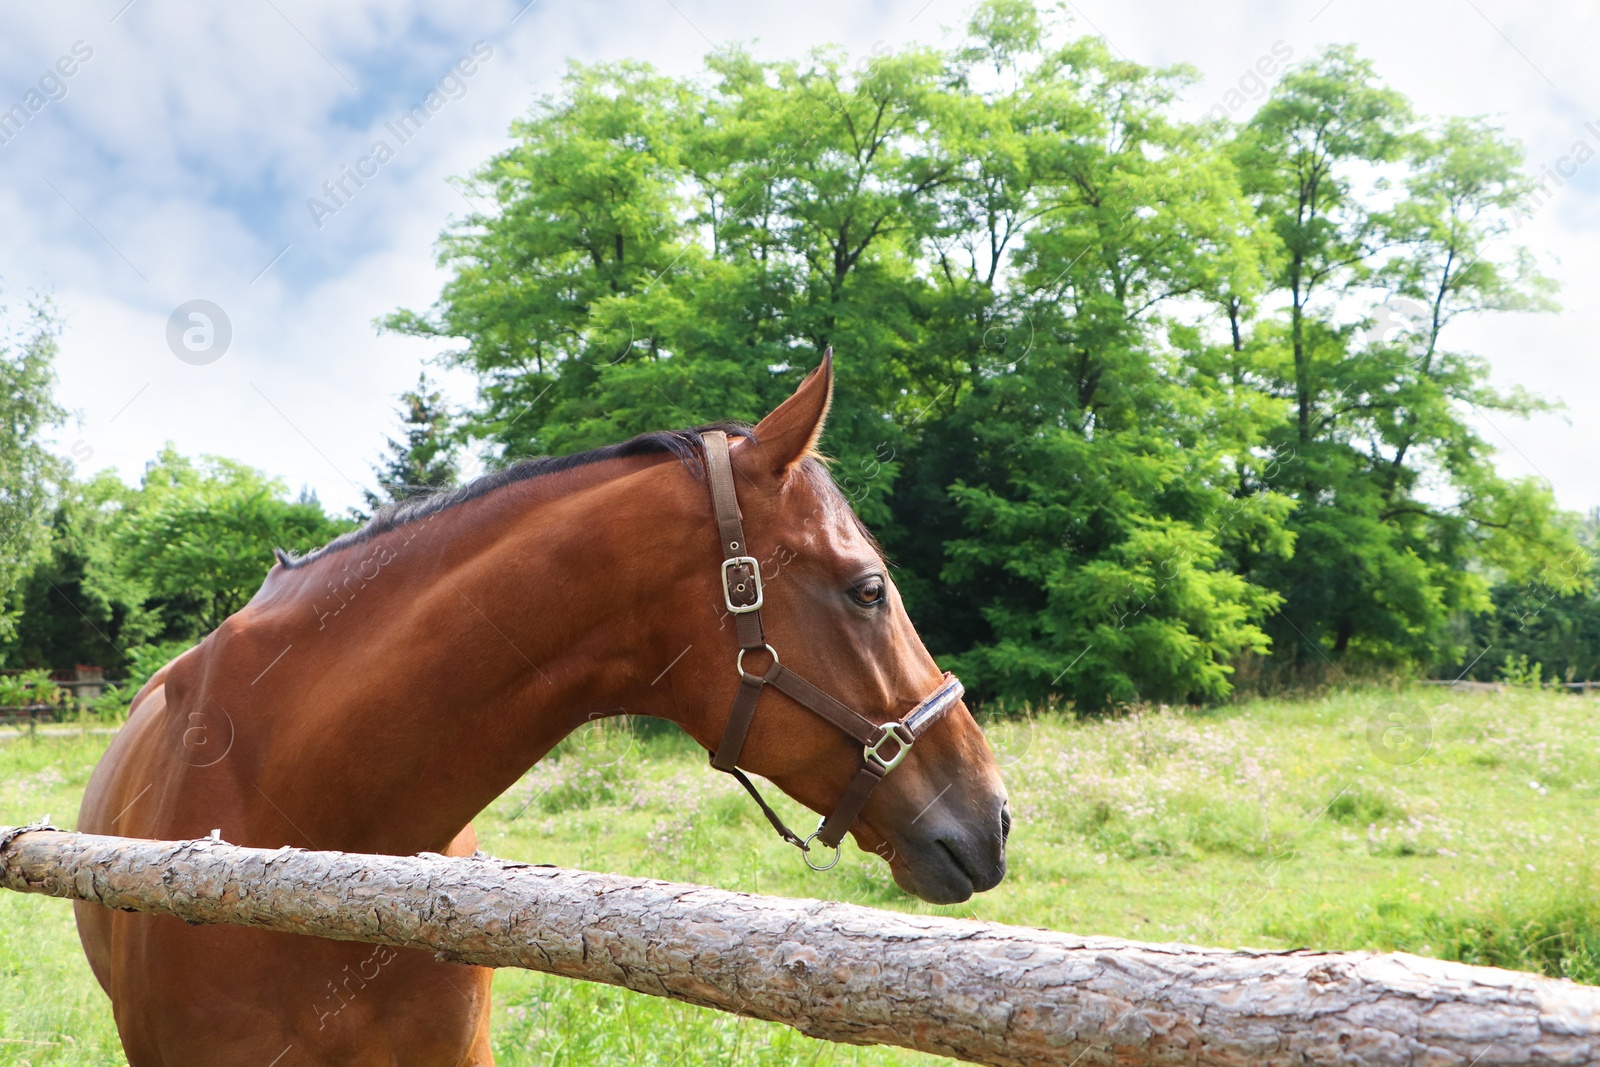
(668, 254)
(200, 536)
(425, 460)
(129, 577)
(1124, 396)
(1092, 517)
(28, 471)
(1382, 568)
(1298, 154)
(78, 606)
(1546, 617)
(588, 214)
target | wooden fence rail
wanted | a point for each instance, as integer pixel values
(977, 991)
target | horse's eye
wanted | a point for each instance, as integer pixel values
(869, 592)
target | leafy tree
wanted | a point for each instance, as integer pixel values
(1125, 396)
(77, 604)
(426, 459)
(668, 254)
(128, 576)
(1382, 566)
(1545, 617)
(1092, 523)
(1558, 633)
(200, 536)
(27, 468)
(588, 213)
(1299, 156)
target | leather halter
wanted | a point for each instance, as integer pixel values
(882, 746)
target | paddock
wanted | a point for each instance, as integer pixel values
(977, 991)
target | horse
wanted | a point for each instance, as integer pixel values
(377, 694)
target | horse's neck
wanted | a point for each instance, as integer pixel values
(507, 623)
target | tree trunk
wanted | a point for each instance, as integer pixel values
(978, 991)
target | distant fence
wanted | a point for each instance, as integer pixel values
(77, 685)
(1580, 688)
(977, 991)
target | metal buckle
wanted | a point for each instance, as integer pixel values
(901, 734)
(805, 850)
(755, 577)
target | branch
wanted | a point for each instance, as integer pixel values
(983, 992)
(1406, 509)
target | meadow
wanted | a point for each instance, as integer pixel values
(1436, 821)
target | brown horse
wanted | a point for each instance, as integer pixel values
(377, 694)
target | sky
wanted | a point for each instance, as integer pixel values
(158, 184)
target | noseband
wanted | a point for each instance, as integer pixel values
(883, 746)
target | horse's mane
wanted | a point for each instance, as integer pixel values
(684, 445)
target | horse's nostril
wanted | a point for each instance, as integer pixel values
(1005, 823)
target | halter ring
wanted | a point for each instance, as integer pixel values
(805, 850)
(767, 648)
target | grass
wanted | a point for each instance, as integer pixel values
(1274, 823)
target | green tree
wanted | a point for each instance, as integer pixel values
(588, 212)
(1383, 567)
(78, 606)
(1124, 396)
(1299, 156)
(668, 253)
(1550, 618)
(28, 470)
(200, 536)
(1094, 507)
(426, 459)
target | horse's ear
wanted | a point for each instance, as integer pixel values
(790, 432)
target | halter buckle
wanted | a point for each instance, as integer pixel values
(892, 731)
(729, 586)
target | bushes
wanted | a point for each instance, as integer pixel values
(28, 689)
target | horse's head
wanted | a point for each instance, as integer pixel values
(831, 612)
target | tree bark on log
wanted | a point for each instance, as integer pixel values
(976, 991)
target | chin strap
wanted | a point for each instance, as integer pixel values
(883, 746)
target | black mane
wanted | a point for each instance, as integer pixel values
(685, 445)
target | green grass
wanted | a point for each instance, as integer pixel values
(1267, 824)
